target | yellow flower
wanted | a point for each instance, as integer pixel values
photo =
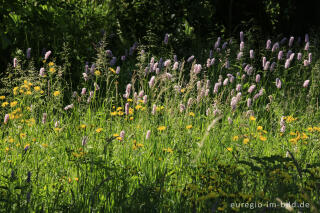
(83, 126)
(44, 145)
(28, 92)
(119, 138)
(51, 64)
(310, 129)
(76, 179)
(252, 118)
(235, 138)
(97, 73)
(168, 150)
(140, 145)
(129, 100)
(290, 119)
(23, 135)
(41, 91)
(131, 118)
(229, 149)
(52, 70)
(37, 88)
(113, 113)
(2, 97)
(191, 114)
(119, 108)
(112, 70)
(115, 135)
(161, 128)
(188, 126)
(259, 128)
(99, 130)
(13, 104)
(246, 140)
(304, 136)
(120, 113)
(183, 90)
(263, 138)
(56, 93)
(138, 107)
(4, 104)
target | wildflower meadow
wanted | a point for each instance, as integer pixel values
(233, 131)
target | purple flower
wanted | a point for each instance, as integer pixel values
(306, 83)
(291, 41)
(166, 39)
(306, 38)
(6, 118)
(148, 135)
(93, 66)
(175, 58)
(167, 63)
(283, 40)
(251, 54)
(306, 63)
(28, 53)
(44, 118)
(189, 102)
(123, 58)
(264, 60)
(109, 53)
(239, 56)
(83, 91)
(268, 44)
(26, 148)
(230, 120)
(225, 82)
(118, 70)
(84, 140)
(154, 109)
(306, 48)
(249, 102)
(280, 55)
(266, 66)
(217, 44)
(42, 72)
(175, 65)
(197, 68)
(70, 106)
(182, 107)
(238, 87)
(15, 62)
(310, 58)
(122, 134)
(29, 177)
(292, 56)
(190, 58)
(96, 86)
(251, 88)
(278, 83)
(145, 99)
(258, 77)
(151, 82)
(113, 61)
(126, 108)
(241, 46)
(241, 36)
(275, 47)
(287, 64)
(46, 56)
(299, 56)
(224, 46)
(141, 94)
(85, 76)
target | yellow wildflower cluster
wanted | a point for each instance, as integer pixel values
(299, 136)
(289, 119)
(136, 145)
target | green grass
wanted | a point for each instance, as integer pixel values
(196, 159)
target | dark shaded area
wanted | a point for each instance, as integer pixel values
(48, 24)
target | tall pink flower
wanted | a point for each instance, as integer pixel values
(148, 134)
(306, 83)
(46, 56)
(6, 118)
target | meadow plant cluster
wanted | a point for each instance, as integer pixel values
(164, 134)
